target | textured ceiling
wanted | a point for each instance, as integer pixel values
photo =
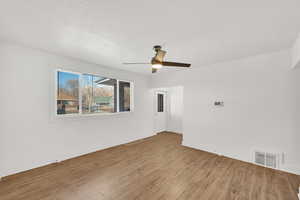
(111, 32)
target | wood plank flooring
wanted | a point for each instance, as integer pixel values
(157, 168)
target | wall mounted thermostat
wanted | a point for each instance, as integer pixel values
(219, 103)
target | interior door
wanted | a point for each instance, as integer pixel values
(160, 112)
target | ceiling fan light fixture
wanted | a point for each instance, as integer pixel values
(156, 66)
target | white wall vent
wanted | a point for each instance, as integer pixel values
(267, 159)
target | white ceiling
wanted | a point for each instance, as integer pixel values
(109, 32)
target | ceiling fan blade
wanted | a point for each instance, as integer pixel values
(175, 64)
(160, 54)
(154, 70)
(136, 63)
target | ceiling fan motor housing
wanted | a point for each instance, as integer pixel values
(154, 61)
(157, 48)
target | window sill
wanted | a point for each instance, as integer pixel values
(66, 116)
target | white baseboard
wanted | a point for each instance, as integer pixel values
(292, 168)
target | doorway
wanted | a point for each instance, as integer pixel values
(168, 109)
(160, 113)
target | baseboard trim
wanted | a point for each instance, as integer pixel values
(162, 132)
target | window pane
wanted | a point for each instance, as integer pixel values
(104, 93)
(160, 103)
(98, 94)
(67, 93)
(87, 93)
(124, 96)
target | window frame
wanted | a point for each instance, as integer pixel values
(131, 95)
(80, 114)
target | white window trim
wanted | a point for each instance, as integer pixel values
(80, 114)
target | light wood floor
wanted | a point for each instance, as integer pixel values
(155, 169)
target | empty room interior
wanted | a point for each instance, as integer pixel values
(149, 100)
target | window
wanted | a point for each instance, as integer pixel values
(160, 103)
(124, 96)
(91, 94)
(67, 93)
(98, 94)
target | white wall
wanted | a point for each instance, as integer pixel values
(260, 109)
(30, 136)
(175, 109)
(296, 53)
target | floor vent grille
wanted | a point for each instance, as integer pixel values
(267, 159)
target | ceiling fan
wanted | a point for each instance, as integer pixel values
(158, 62)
